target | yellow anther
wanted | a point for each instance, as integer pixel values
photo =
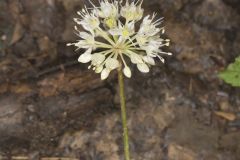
(125, 32)
(111, 22)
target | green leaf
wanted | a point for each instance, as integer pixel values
(232, 74)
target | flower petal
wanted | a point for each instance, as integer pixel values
(127, 72)
(112, 63)
(85, 35)
(115, 31)
(161, 59)
(97, 59)
(142, 67)
(99, 69)
(135, 58)
(149, 60)
(105, 73)
(85, 57)
(141, 39)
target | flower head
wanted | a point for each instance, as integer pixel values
(107, 9)
(111, 35)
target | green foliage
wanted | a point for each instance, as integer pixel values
(232, 74)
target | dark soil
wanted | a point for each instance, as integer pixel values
(52, 106)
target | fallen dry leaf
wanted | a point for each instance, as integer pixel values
(18, 33)
(226, 115)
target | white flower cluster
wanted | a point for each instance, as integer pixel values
(112, 35)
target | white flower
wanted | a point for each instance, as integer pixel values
(88, 20)
(124, 31)
(87, 41)
(148, 27)
(107, 9)
(111, 36)
(133, 11)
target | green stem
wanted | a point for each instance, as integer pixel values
(123, 114)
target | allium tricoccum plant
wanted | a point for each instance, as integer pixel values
(113, 33)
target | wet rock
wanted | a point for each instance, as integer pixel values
(71, 6)
(6, 27)
(11, 116)
(233, 3)
(189, 54)
(232, 142)
(72, 81)
(99, 143)
(204, 116)
(42, 119)
(106, 138)
(26, 47)
(184, 137)
(216, 14)
(45, 18)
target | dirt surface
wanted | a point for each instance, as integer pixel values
(51, 106)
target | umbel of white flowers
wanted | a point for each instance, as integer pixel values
(111, 36)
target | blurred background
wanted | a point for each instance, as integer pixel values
(52, 106)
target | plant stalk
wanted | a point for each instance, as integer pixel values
(123, 113)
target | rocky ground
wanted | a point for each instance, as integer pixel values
(51, 106)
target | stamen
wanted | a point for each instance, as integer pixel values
(161, 59)
(166, 53)
(70, 44)
(124, 62)
(92, 3)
